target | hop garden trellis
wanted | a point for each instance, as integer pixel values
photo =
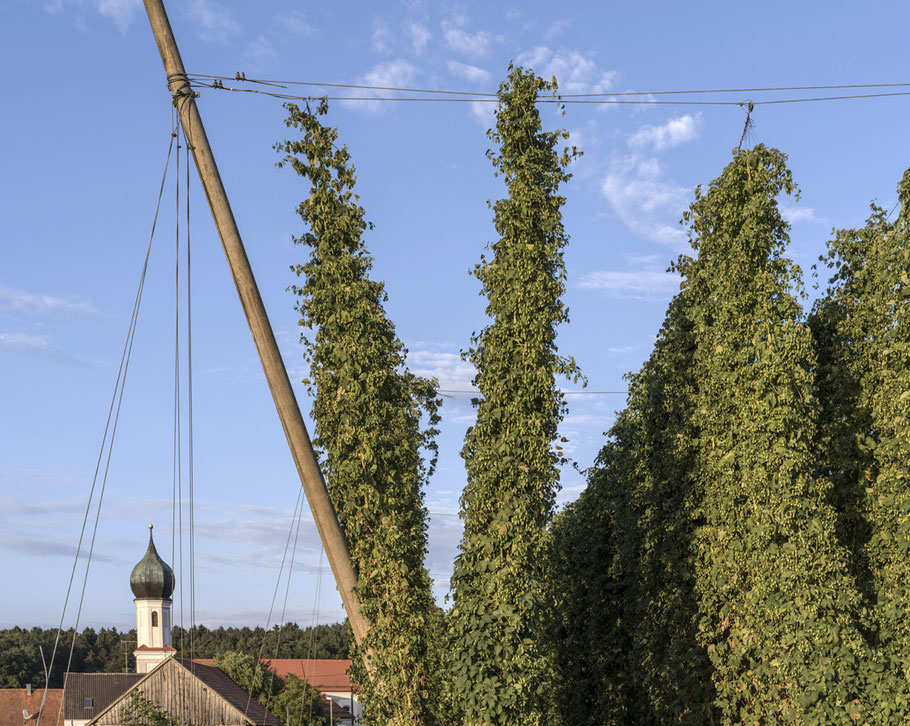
(726, 536)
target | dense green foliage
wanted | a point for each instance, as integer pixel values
(111, 651)
(368, 410)
(727, 578)
(292, 700)
(778, 608)
(624, 562)
(142, 712)
(502, 663)
(862, 329)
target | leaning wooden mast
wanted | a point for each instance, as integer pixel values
(272, 364)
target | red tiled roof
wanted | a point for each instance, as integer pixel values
(324, 674)
(13, 701)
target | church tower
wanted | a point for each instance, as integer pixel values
(152, 583)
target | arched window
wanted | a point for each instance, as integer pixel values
(154, 618)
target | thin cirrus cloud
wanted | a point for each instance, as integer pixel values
(470, 73)
(419, 35)
(632, 284)
(459, 40)
(295, 22)
(643, 200)
(260, 55)
(40, 346)
(40, 303)
(443, 364)
(214, 22)
(394, 73)
(120, 12)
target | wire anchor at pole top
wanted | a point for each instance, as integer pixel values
(183, 90)
(749, 105)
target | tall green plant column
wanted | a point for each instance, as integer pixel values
(778, 608)
(501, 663)
(368, 411)
(655, 532)
(593, 684)
(863, 325)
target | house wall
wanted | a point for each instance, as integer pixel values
(345, 698)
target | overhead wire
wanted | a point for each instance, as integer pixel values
(189, 422)
(607, 98)
(295, 522)
(107, 442)
(283, 83)
(284, 606)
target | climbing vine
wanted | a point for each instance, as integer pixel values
(862, 327)
(624, 563)
(372, 417)
(502, 664)
(778, 608)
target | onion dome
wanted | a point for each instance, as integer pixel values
(152, 578)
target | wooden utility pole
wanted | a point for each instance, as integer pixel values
(275, 373)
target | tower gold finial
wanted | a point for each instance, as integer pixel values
(151, 526)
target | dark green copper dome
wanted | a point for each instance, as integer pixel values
(151, 578)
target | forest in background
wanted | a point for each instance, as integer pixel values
(109, 650)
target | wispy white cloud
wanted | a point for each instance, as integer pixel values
(633, 284)
(474, 45)
(40, 346)
(469, 73)
(396, 73)
(121, 12)
(382, 37)
(556, 28)
(295, 22)
(419, 34)
(481, 111)
(799, 215)
(643, 200)
(673, 133)
(575, 72)
(442, 363)
(214, 22)
(40, 303)
(260, 55)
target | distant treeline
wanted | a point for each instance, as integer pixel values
(109, 650)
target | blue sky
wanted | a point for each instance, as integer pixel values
(86, 124)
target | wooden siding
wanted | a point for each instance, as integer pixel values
(174, 689)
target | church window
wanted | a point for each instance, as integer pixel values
(154, 618)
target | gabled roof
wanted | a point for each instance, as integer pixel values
(13, 701)
(102, 688)
(237, 703)
(217, 680)
(324, 674)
